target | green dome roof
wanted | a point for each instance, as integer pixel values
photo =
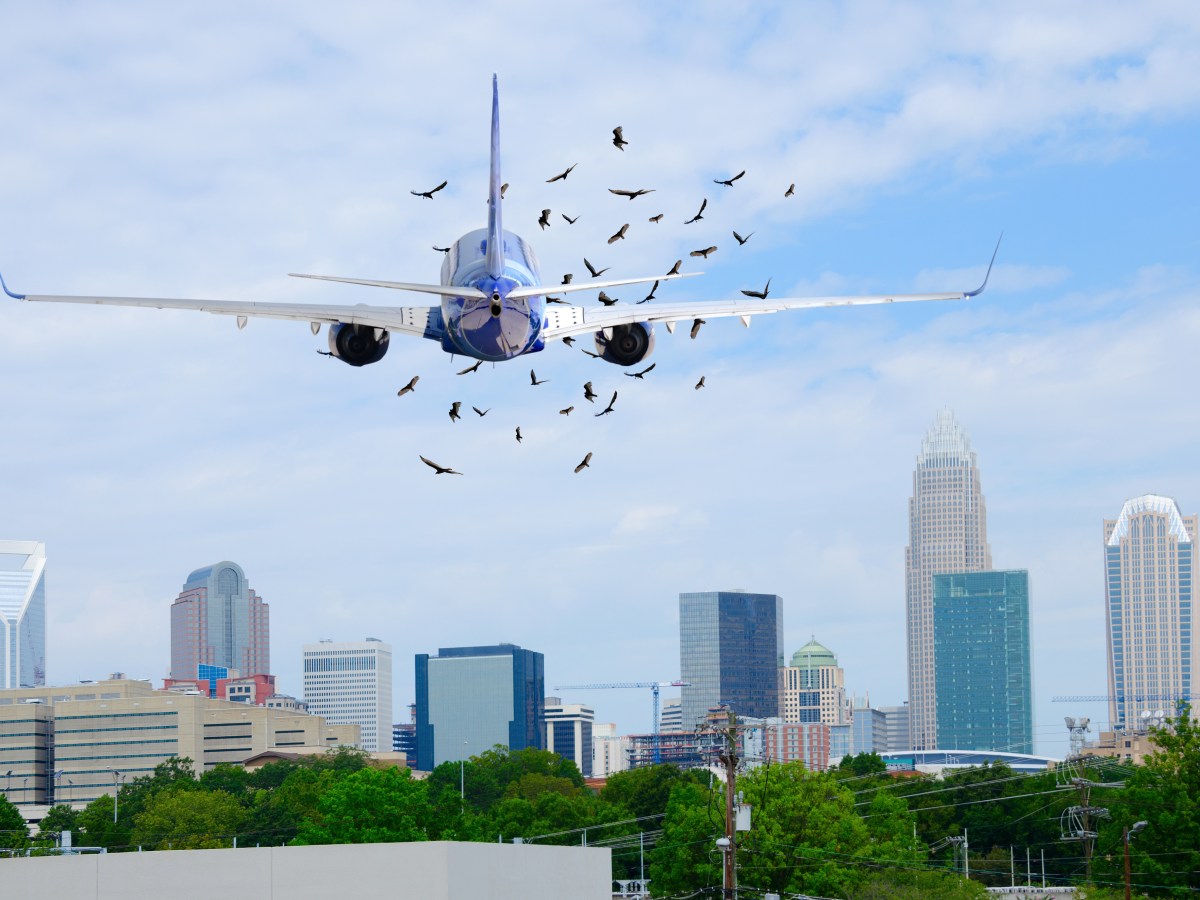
(812, 655)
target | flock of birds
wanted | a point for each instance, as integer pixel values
(544, 221)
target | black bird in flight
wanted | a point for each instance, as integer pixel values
(699, 215)
(632, 195)
(481, 412)
(619, 138)
(696, 323)
(591, 354)
(608, 408)
(555, 300)
(410, 387)
(760, 295)
(569, 341)
(728, 182)
(741, 240)
(588, 395)
(561, 176)
(534, 379)
(649, 296)
(544, 219)
(587, 461)
(641, 374)
(503, 189)
(470, 369)
(566, 412)
(700, 383)
(791, 190)
(454, 408)
(656, 219)
(607, 300)
(519, 438)
(567, 278)
(441, 249)
(428, 195)
(620, 235)
(704, 252)
(675, 268)
(439, 470)
(570, 221)
(595, 272)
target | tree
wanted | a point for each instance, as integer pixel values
(369, 806)
(183, 819)
(14, 833)
(58, 819)
(863, 764)
(99, 829)
(645, 791)
(908, 884)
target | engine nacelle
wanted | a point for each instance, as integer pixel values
(625, 345)
(357, 345)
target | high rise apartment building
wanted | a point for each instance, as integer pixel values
(218, 620)
(730, 652)
(22, 614)
(351, 681)
(947, 532)
(569, 732)
(1150, 564)
(813, 687)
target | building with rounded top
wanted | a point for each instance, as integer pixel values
(813, 687)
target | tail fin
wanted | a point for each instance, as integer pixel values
(495, 238)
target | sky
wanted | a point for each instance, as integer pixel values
(208, 150)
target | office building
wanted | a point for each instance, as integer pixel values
(217, 620)
(1150, 564)
(569, 732)
(469, 699)
(730, 652)
(947, 532)
(896, 726)
(351, 682)
(610, 751)
(784, 742)
(671, 719)
(982, 669)
(22, 614)
(868, 731)
(813, 687)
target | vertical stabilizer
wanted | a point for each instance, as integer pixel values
(495, 238)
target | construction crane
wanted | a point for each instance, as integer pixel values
(654, 686)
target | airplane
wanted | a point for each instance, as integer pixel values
(493, 301)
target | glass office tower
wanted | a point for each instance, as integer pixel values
(218, 620)
(982, 668)
(730, 653)
(22, 614)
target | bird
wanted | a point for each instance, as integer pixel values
(591, 354)
(699, 215)
(595, 273)
(608, 408)
(619, 138)
(791, 190)
(700, 383)
(454, 408)
(607, 300)
(588, 395)
(641, 374)
(656, 219)
(704, 252)
(760, 295)
(439, 470)
(570, 221)
(650, 296)
(410, 387)
(567, 278)
(569, 341)
(481, 412)
(555, 300)
(519, 438)
(566, 412)
(503, 189)
(587, 461)
(534, 379)
(620, 235)
(728, 182)
(675, 268)
(741, 240)
(632, 195)
(562, 176)
(544, 219)
(441, 249)
(696, 323)
(428, 195)
(469, 369)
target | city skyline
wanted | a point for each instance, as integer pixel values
(212, 151)
(218, 620)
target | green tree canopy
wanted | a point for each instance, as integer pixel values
(369, 806)
(185, 819)
(14, 833)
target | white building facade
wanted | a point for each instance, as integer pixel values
(610, 751)
(351, 682)
(22, 614)
(569, 732)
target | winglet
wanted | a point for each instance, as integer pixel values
(495, 238)
(979, 290)
(10, 293)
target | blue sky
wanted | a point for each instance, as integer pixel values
(206, 150)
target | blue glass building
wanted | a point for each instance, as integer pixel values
(982, 669)
(22, 614)
(470, 699)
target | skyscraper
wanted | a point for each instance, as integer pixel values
(947, 532)
(982, 666)
(730, 651)
(813, 687)
(471, 698)
(1150, 561)
(351, 682)
(22, 614)
(569, 732)
(218, 620)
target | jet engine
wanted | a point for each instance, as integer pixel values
(357, 345)
(625, 345)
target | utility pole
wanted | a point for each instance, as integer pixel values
(1126, 837)
(729, 759)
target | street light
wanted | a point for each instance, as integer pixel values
(7, 783)
(723, 844)
(116, 791)
(462, 777)
(1128, 836)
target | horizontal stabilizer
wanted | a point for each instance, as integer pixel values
(442, 290)
(556, 289)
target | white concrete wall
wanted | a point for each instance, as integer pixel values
(436, 870)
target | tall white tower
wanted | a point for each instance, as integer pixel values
(351, 681)
(22, 614)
